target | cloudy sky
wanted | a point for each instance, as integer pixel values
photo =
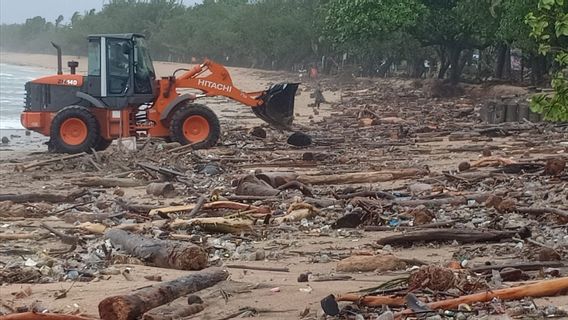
(17, 11)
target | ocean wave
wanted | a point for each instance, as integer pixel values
(10, 123)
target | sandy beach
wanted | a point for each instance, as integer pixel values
(380, 125)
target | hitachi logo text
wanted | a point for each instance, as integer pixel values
(214, 85)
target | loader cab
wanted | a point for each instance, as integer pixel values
(120, 71)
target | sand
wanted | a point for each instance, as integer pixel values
(292, 298)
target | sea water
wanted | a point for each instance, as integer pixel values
(12, 92)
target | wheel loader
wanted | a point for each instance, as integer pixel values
(120, 96)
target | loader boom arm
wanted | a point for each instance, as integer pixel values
(213, 79)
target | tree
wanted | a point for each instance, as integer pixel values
(372, 31)
(454, 26)
(549, 26)
(58, 20)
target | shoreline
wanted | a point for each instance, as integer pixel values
(162, 68)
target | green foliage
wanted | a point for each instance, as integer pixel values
(264, 33)
(372, 34)
(362, 20)
(549, 26)
(512, 27)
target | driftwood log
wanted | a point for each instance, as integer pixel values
(209, 206)
(41, 316)
(160, 253)
(455, 200)
(528, 210)
(460, 235)
(42, 197)
(18, 236)
(361, 177)
(108, 182)
(134, 305)
(525, 266)
(35, 164)
(236, 224)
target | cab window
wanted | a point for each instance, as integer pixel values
(118, 65)
(143, 69)
(94, 58)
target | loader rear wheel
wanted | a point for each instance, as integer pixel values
(195, 124)
(73, 130)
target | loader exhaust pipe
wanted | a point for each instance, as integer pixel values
(59, 64)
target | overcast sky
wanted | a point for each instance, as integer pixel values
(17, 11)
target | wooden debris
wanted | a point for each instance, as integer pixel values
(41, 316)
(492, 161)
(393, 301)
(361, 177)
(440, 224)
(441, 235)
(543, 288)
(71, 240)
(96, 228)
(558, 212)
(297, 212)
(378, 263)
(452, 200)
(298, 186)
(235, 224)
(160, 253)
(239, 266)
(107, 182)
(524, 266)
(210, 206)
(45, 197)
(18, 236)
(169, 313)
(37, 164)
(134, 305)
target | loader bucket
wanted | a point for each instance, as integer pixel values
(277, 107)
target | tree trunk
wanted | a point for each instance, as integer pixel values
(538, 66)
(132, 306)
(417, 67)
(500, 64)
(508, 69)
(165, 254)
(444, 62)
(465, 59)
(454, 58)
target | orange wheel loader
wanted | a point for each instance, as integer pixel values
(121, 97)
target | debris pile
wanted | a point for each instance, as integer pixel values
(394, 189)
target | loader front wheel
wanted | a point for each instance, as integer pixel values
(102, 144)
(195, 124)
(73, 130)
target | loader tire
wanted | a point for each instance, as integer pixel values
(195, 124)
(102, 144)
(74, 129)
